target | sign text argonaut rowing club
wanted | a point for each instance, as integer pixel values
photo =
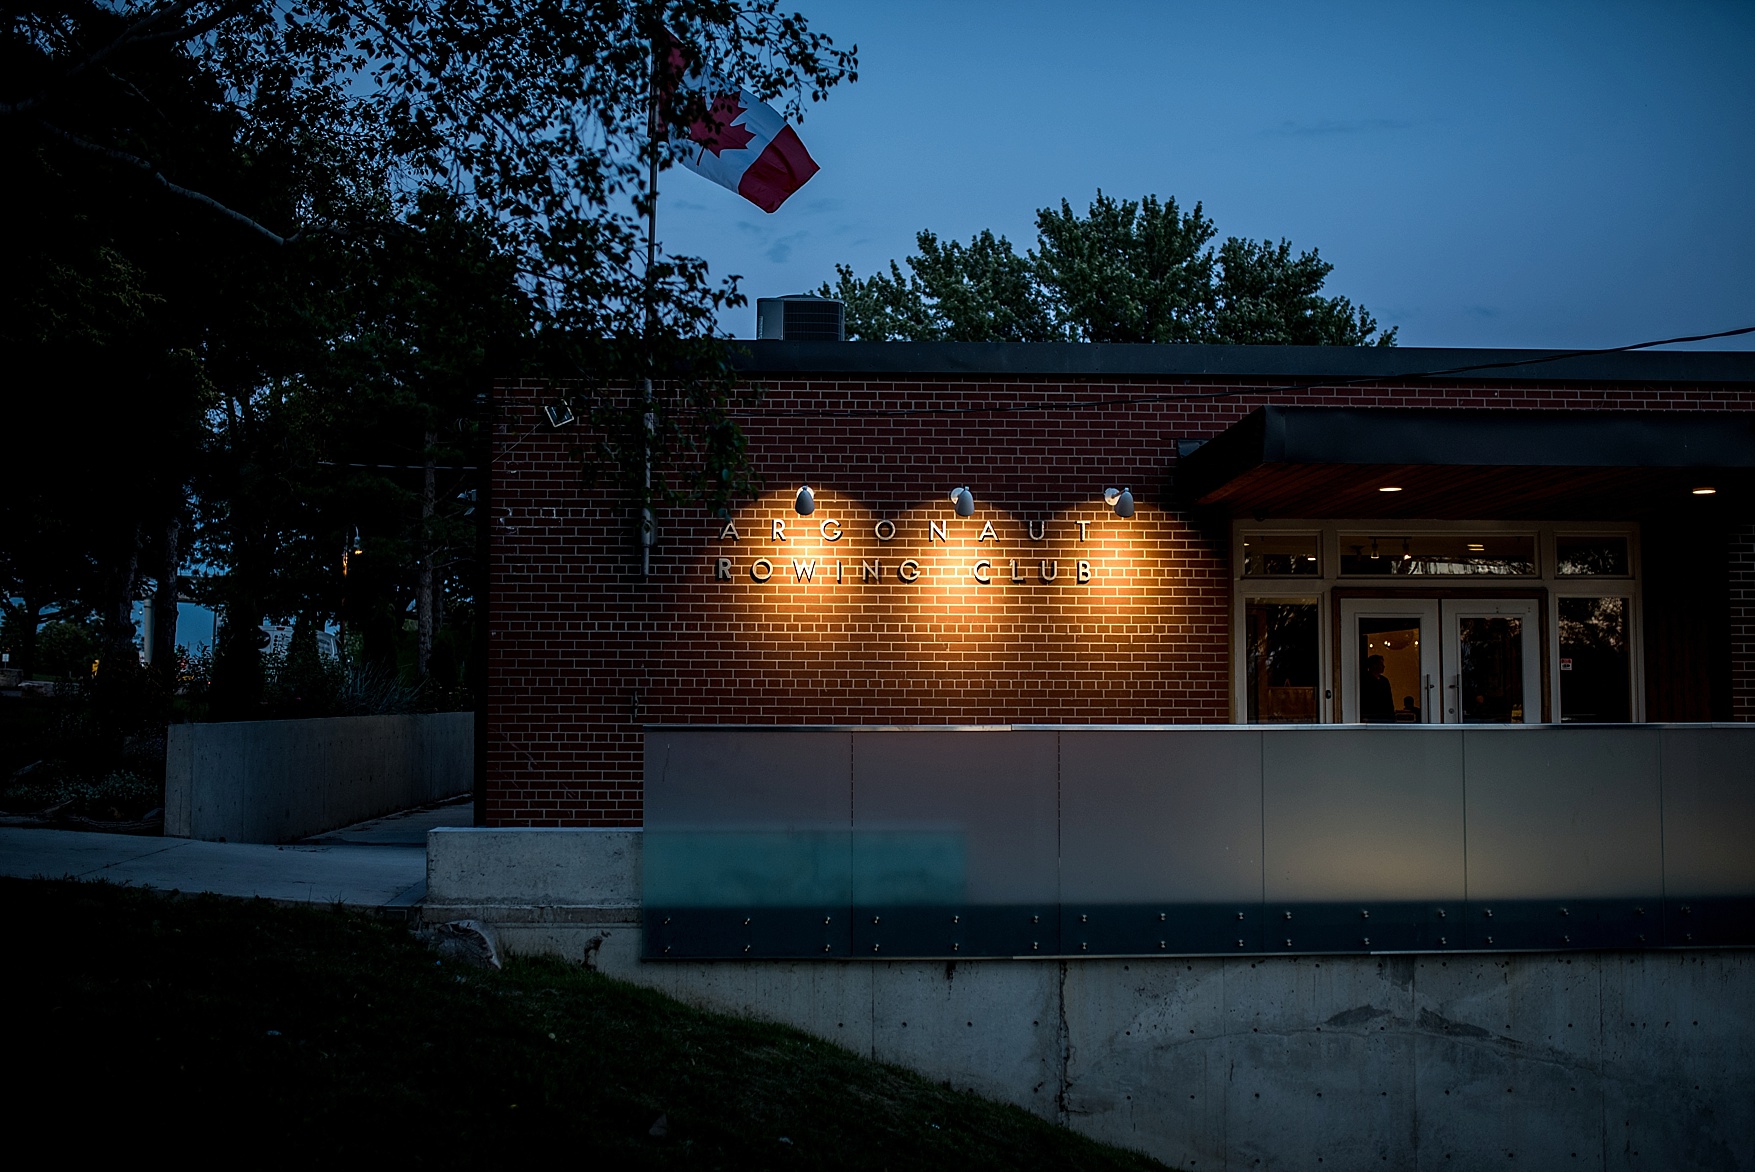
(983, 570)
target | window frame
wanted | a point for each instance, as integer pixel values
(1322, 586)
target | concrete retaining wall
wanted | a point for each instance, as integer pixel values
(282, 780)
(1590, 1060)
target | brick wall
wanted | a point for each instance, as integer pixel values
(585, 652)
(1741, 558)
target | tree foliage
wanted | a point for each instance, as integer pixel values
(1125, 271)
(273, 256)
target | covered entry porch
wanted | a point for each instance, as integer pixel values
(1440, 565)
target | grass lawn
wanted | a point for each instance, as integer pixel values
(211, 1031)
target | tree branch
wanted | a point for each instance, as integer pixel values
(135, 34)
(177, 189)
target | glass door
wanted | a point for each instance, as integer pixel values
(1390, 663)
(1492, 654)
(1432, 661)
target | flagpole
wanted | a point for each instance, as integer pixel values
(648, 520)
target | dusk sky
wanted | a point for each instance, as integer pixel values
(1553, 175)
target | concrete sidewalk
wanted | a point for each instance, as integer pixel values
(379, 864)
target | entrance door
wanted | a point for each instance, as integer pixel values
(1432, 661)
(1389, 660)
(1493, 662)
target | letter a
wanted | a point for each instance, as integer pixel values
(987, 533)
(729, 533)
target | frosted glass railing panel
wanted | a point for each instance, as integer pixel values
(959, 816)
(1563, 813)
(748, 819)
(1362, 814)
(1709, 811)
(1160, 816)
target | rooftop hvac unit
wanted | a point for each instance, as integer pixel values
(801, 317)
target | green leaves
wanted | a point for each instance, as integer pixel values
(1265, 295)
(1125, 271)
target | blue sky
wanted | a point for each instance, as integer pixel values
(1479, 174)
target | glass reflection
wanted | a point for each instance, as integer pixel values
(1590, 555)
(1389, 682)
(1490, 679)
(1442, 555)
(1277, 554)
(1595, 661)
(1281, 655)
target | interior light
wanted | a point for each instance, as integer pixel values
(806, 502)
(1406, 556)
(1476, 547)
(1704, 490)
(964, 500)
(1374, 554)
(1119, 499)
(1390, 488)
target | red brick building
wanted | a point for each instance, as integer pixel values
(1318, 535)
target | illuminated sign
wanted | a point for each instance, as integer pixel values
(857, 566)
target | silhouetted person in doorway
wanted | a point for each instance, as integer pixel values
(1376, 697)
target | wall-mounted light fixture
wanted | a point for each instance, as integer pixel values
(1390, 488)
(559, 414)
(1119, 499)
(806, 502)
(964, 500)
(356, 542)
(1703, 490)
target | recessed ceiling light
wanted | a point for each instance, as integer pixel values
(1390, 488)
(1704, 491)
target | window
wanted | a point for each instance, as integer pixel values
(1596, 664)
(1281, 656)
(1504, 555)
(1469, 621)
(1279, 554)
(1601, 556)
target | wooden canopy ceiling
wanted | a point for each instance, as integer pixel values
(1472, 465)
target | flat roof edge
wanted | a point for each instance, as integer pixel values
(1300, 364)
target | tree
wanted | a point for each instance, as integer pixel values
(1126, 271)
(280, 195)
(979, 292)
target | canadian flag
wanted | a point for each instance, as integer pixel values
(741, 142)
